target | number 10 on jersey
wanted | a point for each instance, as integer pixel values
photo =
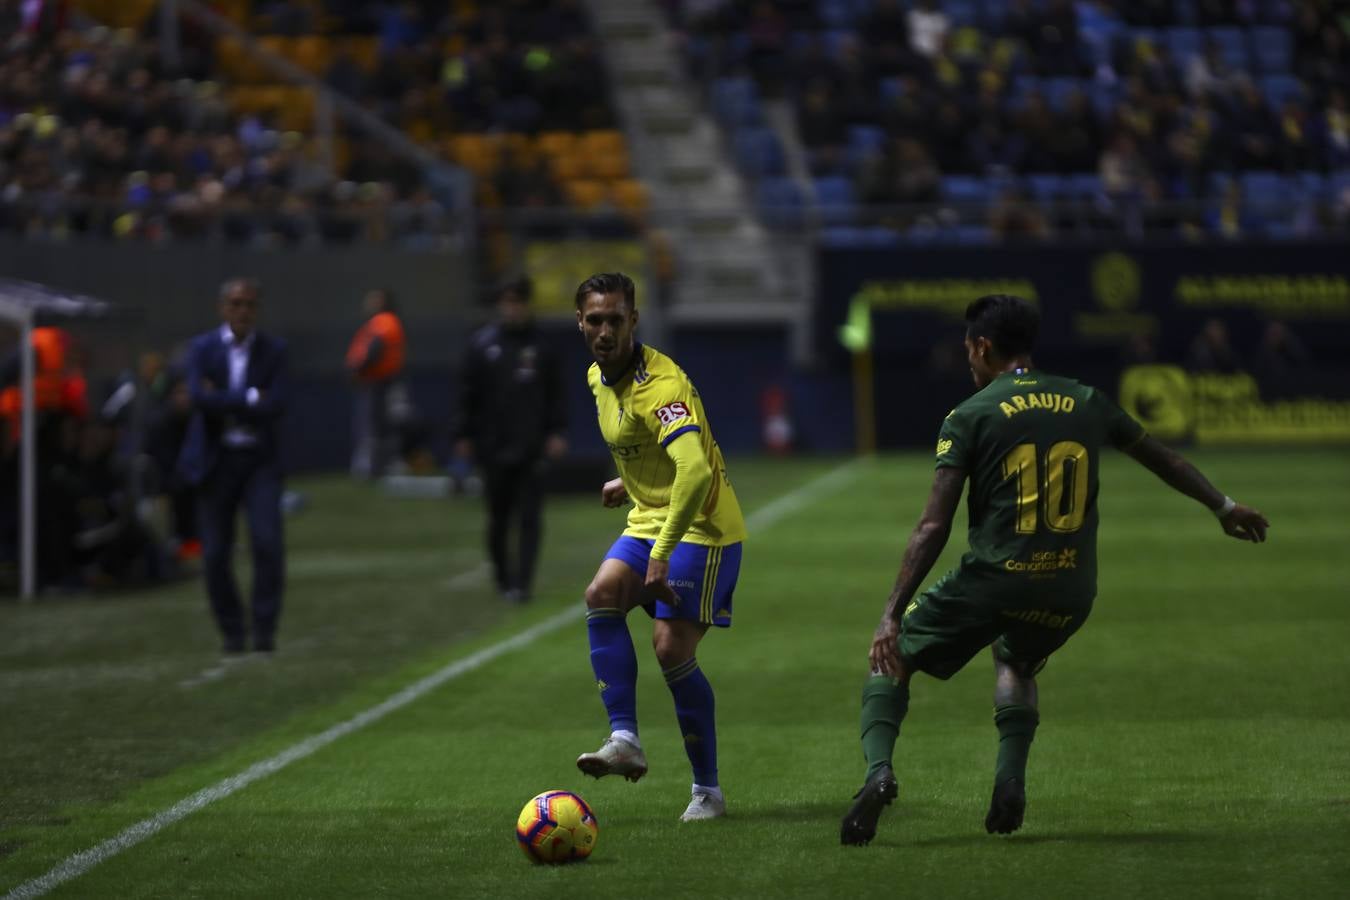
(1065, 485)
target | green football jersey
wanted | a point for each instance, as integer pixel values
(1030, 444)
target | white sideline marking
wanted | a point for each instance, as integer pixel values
(468, 579)
(80, 863)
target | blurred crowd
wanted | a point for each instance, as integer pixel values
(111, 509)
(100, 135)
(1162, 104)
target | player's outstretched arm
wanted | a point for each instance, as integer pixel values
(1238, 520)
(924, 547)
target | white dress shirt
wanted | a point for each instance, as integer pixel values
(237, 434)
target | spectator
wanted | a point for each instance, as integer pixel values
(928, 26)
(512, 423)
(375, 361)
(1123, 173)
(904, 174)
(1282, 354)
(1230, 218)
(1211, 350)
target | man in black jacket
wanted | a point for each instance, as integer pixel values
(512, 421)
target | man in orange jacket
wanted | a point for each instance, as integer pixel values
(375, 359)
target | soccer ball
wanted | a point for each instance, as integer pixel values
(556, 827)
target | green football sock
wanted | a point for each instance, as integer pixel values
(885, 700)
(1016, 729)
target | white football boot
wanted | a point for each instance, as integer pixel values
(704, 806)
(615, 757)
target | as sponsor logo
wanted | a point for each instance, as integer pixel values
(672, 411)
(943, 446)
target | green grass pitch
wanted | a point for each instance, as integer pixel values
(1195, 736)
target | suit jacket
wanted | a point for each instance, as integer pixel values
(217, 408)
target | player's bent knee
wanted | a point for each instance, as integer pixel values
(603, 595)
(675, 641)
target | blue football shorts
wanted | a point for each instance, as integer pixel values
(703, 578)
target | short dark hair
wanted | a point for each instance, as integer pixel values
(522, 288)
(608, 283)
(1009, 323)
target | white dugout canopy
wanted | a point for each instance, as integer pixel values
(28, 305)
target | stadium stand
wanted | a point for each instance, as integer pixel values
(99, 135)
(1189, 118)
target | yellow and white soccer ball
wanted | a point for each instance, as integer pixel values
(556, 827)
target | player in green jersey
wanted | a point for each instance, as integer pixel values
(1030, 443)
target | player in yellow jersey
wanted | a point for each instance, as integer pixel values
(680, 555)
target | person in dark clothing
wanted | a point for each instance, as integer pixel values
(512, 422)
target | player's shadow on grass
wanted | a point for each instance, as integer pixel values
(1064, 837)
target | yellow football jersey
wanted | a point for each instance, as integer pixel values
(650, 405)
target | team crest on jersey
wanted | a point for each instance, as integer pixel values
(672, 411)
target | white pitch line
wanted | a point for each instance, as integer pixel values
(80, 863)
(469, 578)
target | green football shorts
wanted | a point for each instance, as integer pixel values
(945, 626)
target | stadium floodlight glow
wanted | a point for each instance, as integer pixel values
(27, 304)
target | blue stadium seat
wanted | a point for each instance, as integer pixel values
(838, 13)
(1273, 50)
(836, 39)
(758, 152)
(780, 202)
(1217, 183)
(962, 13)
(1311, 184)
(864, 142)
(1338, 183)
(890, 88)
(973, 235)
(1058, 90)
(1104, 98)
(845, 237)
(1266, 193)
(735, 101)
(836, 200)
(1281, 88)
(1085, 186)
(1047, 186)
(1183, 43)
(965, 189)
(1232, 46)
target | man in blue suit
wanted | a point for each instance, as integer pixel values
(238, 379)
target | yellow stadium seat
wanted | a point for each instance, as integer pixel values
(608, 166)
(118, 13)
(364, 50)
(585, 193)
(603, 142)
(630, 196)
(555, 143)
(568, 167)
(313, 53)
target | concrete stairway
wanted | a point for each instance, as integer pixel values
(730, 267)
